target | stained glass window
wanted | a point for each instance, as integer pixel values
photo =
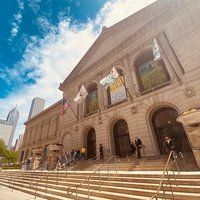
(150, 73)
(92, 99)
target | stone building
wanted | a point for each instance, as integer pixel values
(147, 98)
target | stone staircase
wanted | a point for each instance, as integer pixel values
(123, 184)
(150, 163)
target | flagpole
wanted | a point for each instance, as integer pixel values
(74, 112)
(125, 87)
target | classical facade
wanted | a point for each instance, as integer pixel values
(146, 99)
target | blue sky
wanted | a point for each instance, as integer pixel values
(40, 45)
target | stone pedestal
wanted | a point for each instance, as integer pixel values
(191, 122)
(54, 152)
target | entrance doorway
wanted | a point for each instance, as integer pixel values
(121, 138)
(91, 143)
(165, 124)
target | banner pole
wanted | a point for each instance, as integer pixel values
(125, 87)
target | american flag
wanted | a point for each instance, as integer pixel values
(65, 105)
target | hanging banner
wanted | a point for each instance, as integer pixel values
(117, 91)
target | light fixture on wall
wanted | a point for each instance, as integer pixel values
(100, 120)
(133, 110)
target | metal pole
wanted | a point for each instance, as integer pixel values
(88, 188)
(99, 181)
(170, 184)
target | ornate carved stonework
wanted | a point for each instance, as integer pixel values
(189, 92)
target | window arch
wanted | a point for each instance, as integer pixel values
(116, 92)
(151, 74)
(92, 99)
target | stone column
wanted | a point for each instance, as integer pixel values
(173, 65)
(193, 134)
(191, 122)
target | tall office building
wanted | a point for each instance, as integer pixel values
(18, 142)
(37, 106)
(8, 127)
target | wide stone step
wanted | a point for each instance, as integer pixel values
(126, 191)
(51, 195)
(125, 181)
(94, 184)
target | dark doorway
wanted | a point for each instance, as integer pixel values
(121, 138)
(91, 144)
(165, 124)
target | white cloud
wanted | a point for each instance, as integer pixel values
(17, 20)
(34, 5)
(56, 55)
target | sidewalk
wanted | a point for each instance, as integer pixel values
(7, 194)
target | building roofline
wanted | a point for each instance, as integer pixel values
(42, 112)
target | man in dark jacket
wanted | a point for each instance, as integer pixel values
(170, 147)
(138, 144)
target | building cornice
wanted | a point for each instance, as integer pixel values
(44, 111)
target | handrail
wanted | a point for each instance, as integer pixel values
(36, 187)
(51, 172)
(89, 159)
(39, 167)
(162, 178)
(13, 186)
(47, 178)
(88, 177)
(92, 160)
(5, 174)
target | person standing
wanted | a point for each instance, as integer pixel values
(170, 147)
(101, 152)
(133, 148)
(82, 151)
(138, 144)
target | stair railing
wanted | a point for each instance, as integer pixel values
(10, 179)
(165, 172)
(2, 178)
(33, 170)
(89, 177)
(14, 180)
(36, 187)
(47, 177)
(92, 160)
(23, 177)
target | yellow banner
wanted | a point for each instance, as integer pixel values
(117, 85)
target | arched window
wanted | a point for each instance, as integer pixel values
(92, 99)
(151, 74)
(116, 92)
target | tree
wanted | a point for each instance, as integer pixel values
(8, 156)
(2, 147)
